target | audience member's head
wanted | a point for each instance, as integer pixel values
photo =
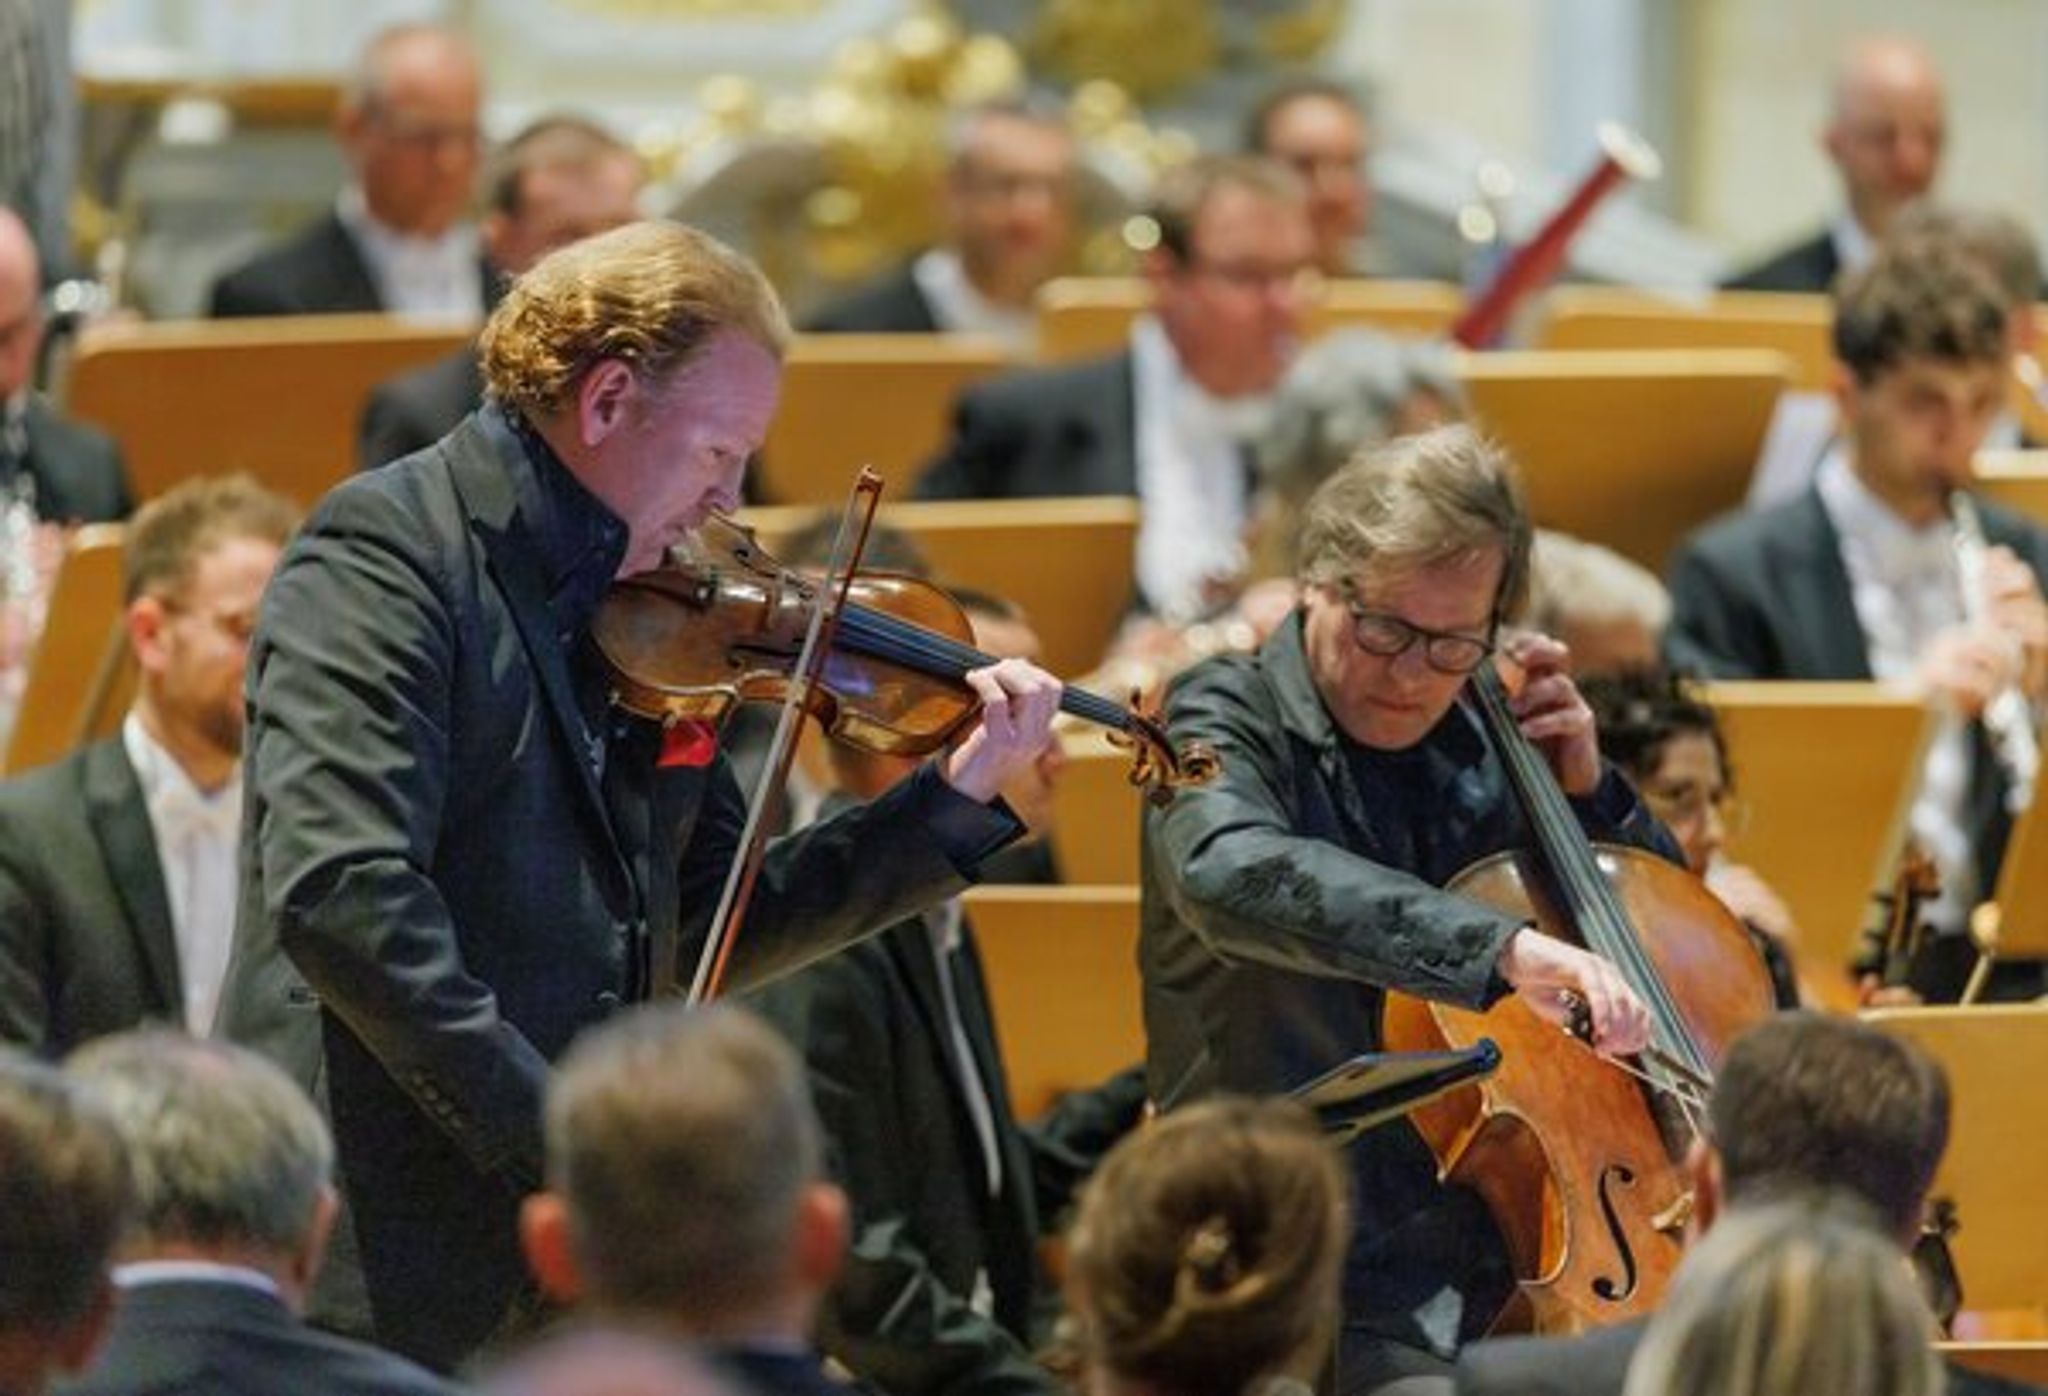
(64, 1198)
(1792, 1297)
(409, 127)
(562, 178)
(1886, 125)
(232, 1162)
(606, 1362)
(684, 1179)
(21, 305)
(1205, 1253)
(1229, 271)
(1009, 198)
(197, 560)
(1922, 339)
(650, 359)
(1608, 610)
(1998, 241)
(1813, 1100)
(1668, 741)
(1318, 129)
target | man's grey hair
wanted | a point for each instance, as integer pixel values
(1346, 391)
(225, 1148)
(64, 1195)
(681, 1141)
(1575, 582)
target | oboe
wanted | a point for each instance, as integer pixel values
(2008, 718)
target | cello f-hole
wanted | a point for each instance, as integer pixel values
(1605, 1286)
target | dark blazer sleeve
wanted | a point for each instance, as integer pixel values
(1070, 1140)
(988, 442)
(79, 472)
(351, 797)
(890, 1317)
(26, 954)
(390, 427)
(1236, 872)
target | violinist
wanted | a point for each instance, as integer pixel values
(1283, 901)
(463, 848)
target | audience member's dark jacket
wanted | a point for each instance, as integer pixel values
(890, 304)
(86, 946)
(1069, 430)
(1809, 267)
(1596, 1364)
(226, 1339)
(778, 1371)
(1765, 595)
(414, 410)
(317, 271)
(77, 469)
(871, 1024)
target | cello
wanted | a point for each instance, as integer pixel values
(1577, 1156)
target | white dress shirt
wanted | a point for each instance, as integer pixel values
(425, 278)
(196, 836)
(1193, 478)
(1853, 245)
(961, 309)
(1908, 588)
(138, 1273)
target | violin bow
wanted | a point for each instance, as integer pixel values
(847, 546)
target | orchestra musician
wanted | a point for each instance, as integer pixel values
(465, 852)
(1283, 902)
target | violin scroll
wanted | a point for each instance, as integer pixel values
(1156, 766)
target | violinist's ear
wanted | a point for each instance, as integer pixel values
(602, 399)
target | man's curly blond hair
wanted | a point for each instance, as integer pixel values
(650, 295)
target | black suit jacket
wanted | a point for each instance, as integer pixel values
(777, 1371)
(317, 271)
(429, 839)
(1809, 266)
(227, 1339)
(1764, 595)
(871, 1024)
(1596, 1364)
(414, 410)
(78, 472)
(1069, 430)
(86, 946)
(890, 304)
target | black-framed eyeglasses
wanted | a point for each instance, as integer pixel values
(1388, 636)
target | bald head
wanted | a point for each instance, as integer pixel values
(409, 127)
(1886, 127)
(21, 316)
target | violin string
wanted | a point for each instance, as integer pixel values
(899, 641)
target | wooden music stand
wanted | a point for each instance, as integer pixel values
(1096, 813)
(1610, 317)
(2012, 924)
(848, 400)
(1067, 562)
(1632, 450)
(81, 674)
(1998, 1146)
(1062, 969)
(1080, 317)
(1827, 774)
(2022, 1362)
(2016, 479)
(280, 398)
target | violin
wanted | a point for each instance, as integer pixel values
(1577, 1155)
(723, 623)
(1886, 960)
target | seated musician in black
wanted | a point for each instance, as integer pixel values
(1668, 741)
(1284, 901)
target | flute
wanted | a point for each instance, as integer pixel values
(2008, 718)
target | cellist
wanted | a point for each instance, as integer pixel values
(1282, 902)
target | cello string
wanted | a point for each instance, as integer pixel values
(1595, 909)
